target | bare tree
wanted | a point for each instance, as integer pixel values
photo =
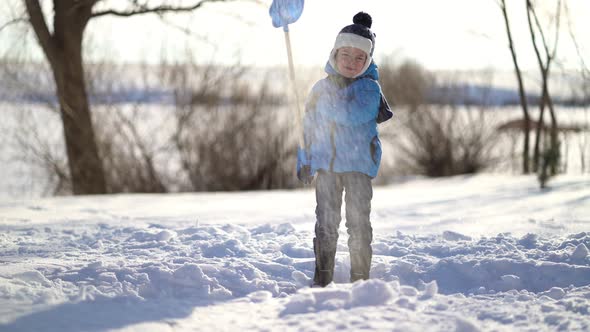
(582, 89)
(550, 156)
(521, 90)
(62, 47)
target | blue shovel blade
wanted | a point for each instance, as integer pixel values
(285, 12)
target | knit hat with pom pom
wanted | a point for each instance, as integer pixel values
(356, 35)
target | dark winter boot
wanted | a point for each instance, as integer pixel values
(324, 265)
(360, 263)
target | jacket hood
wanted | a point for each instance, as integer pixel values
(370, 72)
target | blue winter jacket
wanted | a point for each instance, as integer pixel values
(340, 127)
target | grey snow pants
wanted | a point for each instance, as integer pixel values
(358, 194)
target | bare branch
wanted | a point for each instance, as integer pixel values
(141, 9)
(585, 68)
(80, 4)
(12, 22)
(531, 9)
(38, 23)
(557, 28)
(521, 88)
(184, 30)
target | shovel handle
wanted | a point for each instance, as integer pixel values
(299, 120)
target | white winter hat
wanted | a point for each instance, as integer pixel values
(357, 35)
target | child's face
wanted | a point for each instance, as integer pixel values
(350, 61)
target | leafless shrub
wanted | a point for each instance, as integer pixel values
(222, 130)
(235, 140)
(435, 140)
(38, 143)
(442, 141)
(129, 144)
(129, 157)
(406, 83)
(32, 133)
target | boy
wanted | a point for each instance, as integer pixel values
(342, 145)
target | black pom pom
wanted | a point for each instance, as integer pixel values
(363, 18)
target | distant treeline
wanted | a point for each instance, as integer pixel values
(142, 84)
(475, 95)
(465, 94)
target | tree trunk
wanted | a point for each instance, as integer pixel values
(538, 132)
(521, 93)
(546, 99)
(85, 165)
(63, 50)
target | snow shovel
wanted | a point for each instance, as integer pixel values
(283, 13)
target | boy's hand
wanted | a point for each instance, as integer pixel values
(303, 167)
(304, 174)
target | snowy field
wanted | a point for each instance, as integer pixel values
(473, 253)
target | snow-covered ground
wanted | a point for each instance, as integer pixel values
(473, 253)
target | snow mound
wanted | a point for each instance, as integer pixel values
(457, 277)
(334, 297)
(498, 263)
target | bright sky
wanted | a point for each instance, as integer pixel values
(452, 34)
